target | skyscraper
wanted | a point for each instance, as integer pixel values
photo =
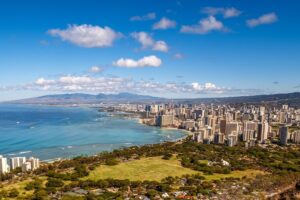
(283, 135)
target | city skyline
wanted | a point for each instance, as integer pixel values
(175, 49)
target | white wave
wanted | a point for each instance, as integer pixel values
(24, 152)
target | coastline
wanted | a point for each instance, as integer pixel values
(188, 133)
(179, 136)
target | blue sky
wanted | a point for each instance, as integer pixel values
(191, 48)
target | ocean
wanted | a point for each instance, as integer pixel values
(57, 132)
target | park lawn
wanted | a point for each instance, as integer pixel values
(150, 168)
(155, 169)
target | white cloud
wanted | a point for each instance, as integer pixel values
(205, 26)
(147, 61)
(42, 81)
(87, 36)
(178, 56)
(226, 12)
(164, 23)
(104, 84)
(96, 69)
(160, 46)
(144, 38)
(264, 19)
(149, 16)
(75, 79)
(148, 42)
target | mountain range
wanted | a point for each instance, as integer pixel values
(292, 99)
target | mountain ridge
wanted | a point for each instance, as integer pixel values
(77, 98)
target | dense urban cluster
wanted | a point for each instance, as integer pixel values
(226, 124)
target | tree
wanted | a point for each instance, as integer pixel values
(13, 193)
(54, 182)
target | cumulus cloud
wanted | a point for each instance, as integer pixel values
(164, 23)
(147, 61)
(226, 12)
(71, 83)
(96, 69)
(148, 42)
(204, 26)
(87, 36)
(264, 19)
(149, 16)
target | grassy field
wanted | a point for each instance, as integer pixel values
(155, 168)
(152, 168)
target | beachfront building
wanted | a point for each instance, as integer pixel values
(31, 164)
(17, 162)
(35, 163)
(26, 166)
(165, 120)
(3, 165)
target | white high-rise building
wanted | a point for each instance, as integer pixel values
(35, 163)
(3, 165)
(26, 166)
(17, 162)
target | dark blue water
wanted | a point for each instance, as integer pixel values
(49, 132)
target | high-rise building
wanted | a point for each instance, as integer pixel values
(263, 130)
(219, 138)
(3, 165)
(232, 140)
(164, 120)
(17, 162)
(283, 135)
(296, 137)
(223, 126)
(231, 127)
(26, 166)
(35, 163)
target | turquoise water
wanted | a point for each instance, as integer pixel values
(49, 132)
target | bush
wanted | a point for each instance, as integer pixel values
(34, 185)
(111, 161)
(13, 193)
(167, 156)
(53, 182)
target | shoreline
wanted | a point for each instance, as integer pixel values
(141, 121)
(138, 120)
